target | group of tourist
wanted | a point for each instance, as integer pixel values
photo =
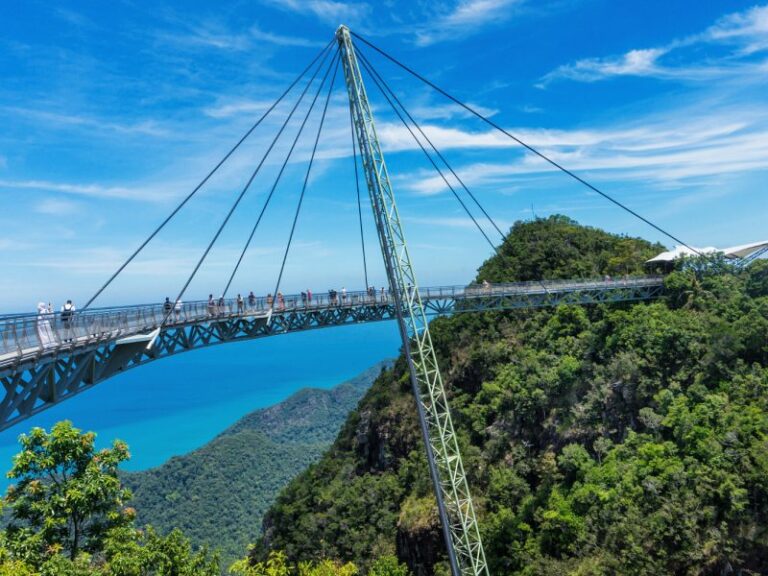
(46, 320)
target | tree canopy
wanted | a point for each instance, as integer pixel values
(603, 440)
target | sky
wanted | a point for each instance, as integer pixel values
(111, 113)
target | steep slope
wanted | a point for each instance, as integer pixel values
(630, 439)
(218, 493)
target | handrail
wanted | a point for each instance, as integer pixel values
(24, 334)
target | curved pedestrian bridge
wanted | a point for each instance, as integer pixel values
(45, 359)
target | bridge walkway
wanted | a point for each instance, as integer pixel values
(44, 360)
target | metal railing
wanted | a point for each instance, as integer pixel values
(23, 335)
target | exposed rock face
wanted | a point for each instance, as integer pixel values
(419, 536)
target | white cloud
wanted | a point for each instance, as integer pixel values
(149, 193)
(217, 35)
(746, 31)
(281, 40)
(633, 63)
(675, 148)
(56, 206)
(329, 11)
(467, 17)
(231, 108)
(68, 120)
(463, 222)
(448, 111)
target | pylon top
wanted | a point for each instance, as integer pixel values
(342, 30)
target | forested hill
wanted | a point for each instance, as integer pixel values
(218, 493)
(621, 440)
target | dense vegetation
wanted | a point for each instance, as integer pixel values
(622, 440)
(69, 516)
(219, 493)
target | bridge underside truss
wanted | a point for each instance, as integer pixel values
(47, 377)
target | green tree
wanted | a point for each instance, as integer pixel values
(67, 495)
(277, 564)
(388, 566)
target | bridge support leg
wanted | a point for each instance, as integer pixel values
(457, 513)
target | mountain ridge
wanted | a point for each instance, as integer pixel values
(217, 493)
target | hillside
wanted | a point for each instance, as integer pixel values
(218, 493)
(630, 439)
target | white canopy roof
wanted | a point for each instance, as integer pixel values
(741, 251)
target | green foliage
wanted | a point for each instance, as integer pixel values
(69, 518)
(630, 439)
(557, 247)
(276, 564)
(388, 566)
(67, 495)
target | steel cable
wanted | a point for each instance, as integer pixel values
(357, 187)
(524, 144)
(204, 180)
(371, 68)
(429, 157)
(242, 193)
(277, 181)
(309, 170)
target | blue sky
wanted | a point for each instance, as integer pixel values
(111, 113)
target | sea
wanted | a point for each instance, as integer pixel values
(174, 405)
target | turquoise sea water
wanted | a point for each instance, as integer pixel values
(177, 404)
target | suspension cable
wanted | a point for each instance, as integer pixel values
(524, 144)
(205, 179)
(357, 187)
(372, 69)
(429, 157)
(309, 169)
(277, 181)
(240, 196)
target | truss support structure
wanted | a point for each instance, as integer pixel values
(457, 513)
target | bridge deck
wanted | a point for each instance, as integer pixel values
(44, 360)
(32, 335)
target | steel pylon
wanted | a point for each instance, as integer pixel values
(457, 513)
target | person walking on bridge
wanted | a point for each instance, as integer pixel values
(251, 300)
(240, 304)
(44, 330)
(167, 306)
(67, 317)
(211, 305)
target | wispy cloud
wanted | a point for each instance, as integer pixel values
(228, 109)
(654, 149)
(89, 190)
(633, 63)
(280, 40)
(220, 36)
(465, 18)
(746, 31)
(57, 206)
(454, 222)
(329, 11)
(69, 120)
(424, 23)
